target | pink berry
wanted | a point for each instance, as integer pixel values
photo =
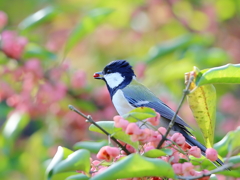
(133, 128)
(211, 154)
(145, 135)
(178, 138)
(108, 153)
(187, 167)
(113, 151)
(195, 151)
(148, 148)
(154, 136)
(96, 163)
(13, 45)
(175, 157)
(130, 148)
(192, 172)
(154, 120)
(134, 138)
(119, 122)
(162, 130)
(101, 169)
(186, 146)
(177, 167)
(205, 171)
(119, 156)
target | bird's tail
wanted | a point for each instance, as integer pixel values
(193, 142)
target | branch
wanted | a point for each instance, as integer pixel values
(185, 93)
(90, 120)
(221, 168)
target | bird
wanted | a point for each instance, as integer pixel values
(127, 93)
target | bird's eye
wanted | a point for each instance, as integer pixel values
(108, 71)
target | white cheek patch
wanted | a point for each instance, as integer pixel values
(114, 79)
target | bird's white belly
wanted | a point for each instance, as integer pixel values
(121, 104)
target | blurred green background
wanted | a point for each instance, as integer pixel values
(70, 40)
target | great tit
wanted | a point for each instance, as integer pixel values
(127, 94)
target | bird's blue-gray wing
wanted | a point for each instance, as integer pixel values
(140, 96)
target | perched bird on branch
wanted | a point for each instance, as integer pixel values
(127, 94)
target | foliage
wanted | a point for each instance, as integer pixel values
(175, 159)
(50, 49)
(134, 165)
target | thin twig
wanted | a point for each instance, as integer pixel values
(221, 168)
(185, 93)
(89, 119)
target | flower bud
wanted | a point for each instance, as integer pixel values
(195, 151)
(119, 122)
(162, 130)
(187, 167)
(154, 120)
(178, 138)
(108, 153)
(177, 167)
(133, 128)
(211, 154)
(13, 45)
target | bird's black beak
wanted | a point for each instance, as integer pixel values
(98, 75)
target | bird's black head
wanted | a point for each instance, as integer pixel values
(117, 74)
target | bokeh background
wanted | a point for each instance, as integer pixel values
(50, 50)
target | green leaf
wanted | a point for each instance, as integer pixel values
(87, 25)
(5, 109)
(230, 142)
(139, 114)
(78, 177)
(61, 154)
(202, 162)
(36, 51)
(165, 48)
(135, 165)
(234, 160)
(39, 17)
(12, 128)
(14, 125)
(229, 73)
(154, 153)
(79, 160)
(93, 147)
(181, 160)
(202, 101)
(118, 133)
(63, 176)
(232, 173)
(235, 170)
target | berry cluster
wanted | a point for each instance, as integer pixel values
(148, 139)
(31, 86)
